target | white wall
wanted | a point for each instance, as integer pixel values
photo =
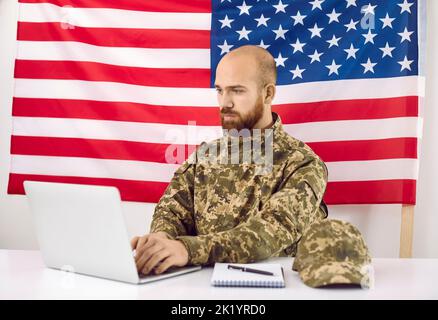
(380, 224)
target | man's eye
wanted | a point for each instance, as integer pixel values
(219, 91)
(238, 91)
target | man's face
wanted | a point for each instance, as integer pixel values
(238, 93)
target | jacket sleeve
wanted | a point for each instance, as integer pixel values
(279, 224)
(175, 211)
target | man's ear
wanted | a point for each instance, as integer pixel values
(269, 93)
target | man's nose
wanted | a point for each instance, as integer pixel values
(225, 101)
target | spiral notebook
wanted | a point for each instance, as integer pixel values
(224, 277)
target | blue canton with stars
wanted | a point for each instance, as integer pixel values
(320, 40)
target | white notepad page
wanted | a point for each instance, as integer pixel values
(224, 277)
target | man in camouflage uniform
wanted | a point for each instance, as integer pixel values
(214, 211)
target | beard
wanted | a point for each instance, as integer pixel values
(242, 121)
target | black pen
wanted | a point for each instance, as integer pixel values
(245, 269)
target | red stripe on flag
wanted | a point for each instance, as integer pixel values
(95, 148)
(94, 71)
(208, 116)
(118, 111)
(141, 5)
(156, 152)
(348, 109)
(130, 190)
(357, 192)
(136, 38)
(370, 192)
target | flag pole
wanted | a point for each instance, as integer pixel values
(406, 231)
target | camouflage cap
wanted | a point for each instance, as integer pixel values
(333, 252)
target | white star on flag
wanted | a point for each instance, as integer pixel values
(262, 21)
(264, 46)
(297, 72)
(369, 9)
(298, 18)
(315, 56)
(387, 21)
(280, 7)
(244, 8)
(405, 63)
(351, 25)
(351, 52)
(226, 22)
(405, 6)
(368, 66)
(387, 50)
(280, 60)
(369, 37)
(279, 33)
(351, 3)
(244, 33)
(333, 68)
(316, 4)
(225, 48)
(298, 46)
(316, 32)
(334, 41)
(405, 35)
(333, 16)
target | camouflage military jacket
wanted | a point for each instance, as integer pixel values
(232, 213)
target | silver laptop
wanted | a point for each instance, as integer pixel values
(81, 228)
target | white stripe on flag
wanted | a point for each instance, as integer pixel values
(114, 130)
(206, 97)
(89, 167)
(150, 171)
(373, 170)
(112, 91)
(182, 134)
(350, 89)
(113, 18)
(121, 56)
(354, 129)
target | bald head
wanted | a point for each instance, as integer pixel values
(254, 61)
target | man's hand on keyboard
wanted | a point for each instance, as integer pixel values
(157, 252)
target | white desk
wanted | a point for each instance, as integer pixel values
(23, 276)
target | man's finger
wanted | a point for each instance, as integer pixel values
(146, 255)
(146, 246)
(142, 241)
(150, 242)
(155, 260)
(134, 242)
(166, 264)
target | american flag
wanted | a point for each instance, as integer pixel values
(104, 87)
